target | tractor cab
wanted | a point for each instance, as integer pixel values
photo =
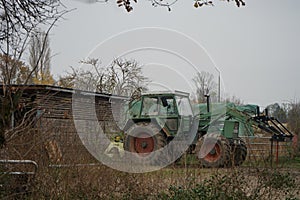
(155, 119)
(171, 111)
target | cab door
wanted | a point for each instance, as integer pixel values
(185, 113)
(168, 113)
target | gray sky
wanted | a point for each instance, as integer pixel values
(256, 47)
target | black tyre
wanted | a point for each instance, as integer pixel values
(239, 153)
(213, 150)
(144, 138)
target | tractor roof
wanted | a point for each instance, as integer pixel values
(167, 92)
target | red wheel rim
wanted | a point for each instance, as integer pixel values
(214, 154)
(144, 144)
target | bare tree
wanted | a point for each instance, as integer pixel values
(18, 21)
(234, 99)
(122, 77)
(205, 85)
(91, 77)
(125, 77)
(294, 117)
(18, 18)
(40, 57)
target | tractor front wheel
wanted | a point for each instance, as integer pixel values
(213, 151)
(144, 138)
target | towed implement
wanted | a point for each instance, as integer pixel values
(212, 130)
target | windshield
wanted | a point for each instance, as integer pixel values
(164, 105)
(184, 106)
(150, 106)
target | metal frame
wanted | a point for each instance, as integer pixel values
(16, 162)
(175, 92)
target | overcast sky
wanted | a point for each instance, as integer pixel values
(256, 48)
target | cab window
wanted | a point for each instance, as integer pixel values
(150, 106)
(184, 106)
(167, 106)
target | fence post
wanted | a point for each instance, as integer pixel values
(271, 152)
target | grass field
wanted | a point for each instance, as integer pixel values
(182, 181)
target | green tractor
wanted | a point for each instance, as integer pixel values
(220, 128)
(155, 120)
(212, 131)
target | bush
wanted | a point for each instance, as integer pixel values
(239, 184)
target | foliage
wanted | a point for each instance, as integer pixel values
(238, 185)
(277, 111)
(13, 71)
(18, 21)
(294, 117)
(127, 4)
(101, 182)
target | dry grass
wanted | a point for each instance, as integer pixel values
(101, 182)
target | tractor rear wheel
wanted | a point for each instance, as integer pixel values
(144, 138)
(239, 153)
(213, 150)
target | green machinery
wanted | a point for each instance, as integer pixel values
(156, 118)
